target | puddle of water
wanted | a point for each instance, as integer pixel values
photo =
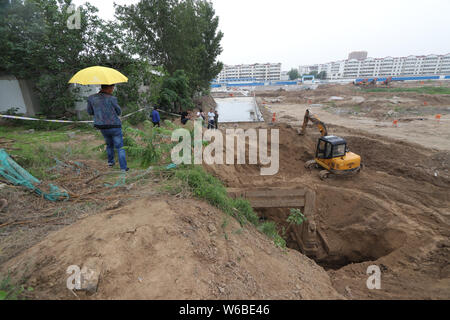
(239, 109)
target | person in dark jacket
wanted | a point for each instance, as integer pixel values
(106, 111)
(156, 119)
(216, 119)
(184, 117)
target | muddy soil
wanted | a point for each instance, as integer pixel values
(394, 214)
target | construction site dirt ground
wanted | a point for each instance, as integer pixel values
(394, 214)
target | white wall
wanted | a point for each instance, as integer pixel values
(11, 95)
(85, 92)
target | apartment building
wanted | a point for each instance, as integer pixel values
(251, 72)
(384, 67)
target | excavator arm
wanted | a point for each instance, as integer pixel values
(320, 125)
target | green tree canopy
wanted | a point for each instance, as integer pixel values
(175, 94)
(178, 35)
(322, 75)
(37, 45)
(293, 74)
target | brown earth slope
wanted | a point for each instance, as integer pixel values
(394, 214)
(168, 248)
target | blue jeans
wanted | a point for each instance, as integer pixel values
(114, 139)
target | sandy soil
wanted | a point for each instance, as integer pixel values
(427, 132)
(374, 112)
(167, 248)
(395, 214)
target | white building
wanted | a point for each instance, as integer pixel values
(383, 67)
(250, 72)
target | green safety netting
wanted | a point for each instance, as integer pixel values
(18, 176)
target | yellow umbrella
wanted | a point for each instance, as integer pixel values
(98, 75)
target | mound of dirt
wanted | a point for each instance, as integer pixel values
(205, 103)
(394, 214)
(169, 249)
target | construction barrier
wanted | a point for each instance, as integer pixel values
(71, 121)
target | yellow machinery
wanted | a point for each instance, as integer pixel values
(332, 153)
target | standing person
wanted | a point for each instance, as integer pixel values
(184, 117)
(156, 119)
(211, 119)
(201, 114)
(106, 111)
(216, 119)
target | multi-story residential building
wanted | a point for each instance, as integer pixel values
(250, 72)
(383, 67)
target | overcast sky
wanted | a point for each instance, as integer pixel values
(298, 32)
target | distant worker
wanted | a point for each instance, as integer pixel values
(156, 119)
(201, 114)
(184, 117)
(216, 119)
(211, 119)
(106, 111)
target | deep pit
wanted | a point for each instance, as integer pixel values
(363, 218)
(344, 246)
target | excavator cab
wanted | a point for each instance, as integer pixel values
(331, 147)
(333, 155)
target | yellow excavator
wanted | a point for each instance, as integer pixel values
(332, 153)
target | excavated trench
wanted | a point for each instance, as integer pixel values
(357, 219)
(368, 217)
(339, 246)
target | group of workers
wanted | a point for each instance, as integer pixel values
(106, 111)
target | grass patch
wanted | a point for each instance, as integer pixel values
(36, 152)
(10, 291)
(296, 217)
(425, 90)
(356, 109)
(205, 186)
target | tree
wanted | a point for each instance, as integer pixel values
(293, 74)
(178, 35)
(37, 45)
(322, 75)
(175, 94)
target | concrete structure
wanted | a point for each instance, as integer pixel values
(19, 95)
(383, 67)
(284, 76)
(250, 72)
(302, 70)
(357, 55)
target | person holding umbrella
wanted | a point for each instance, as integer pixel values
(105, 109)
